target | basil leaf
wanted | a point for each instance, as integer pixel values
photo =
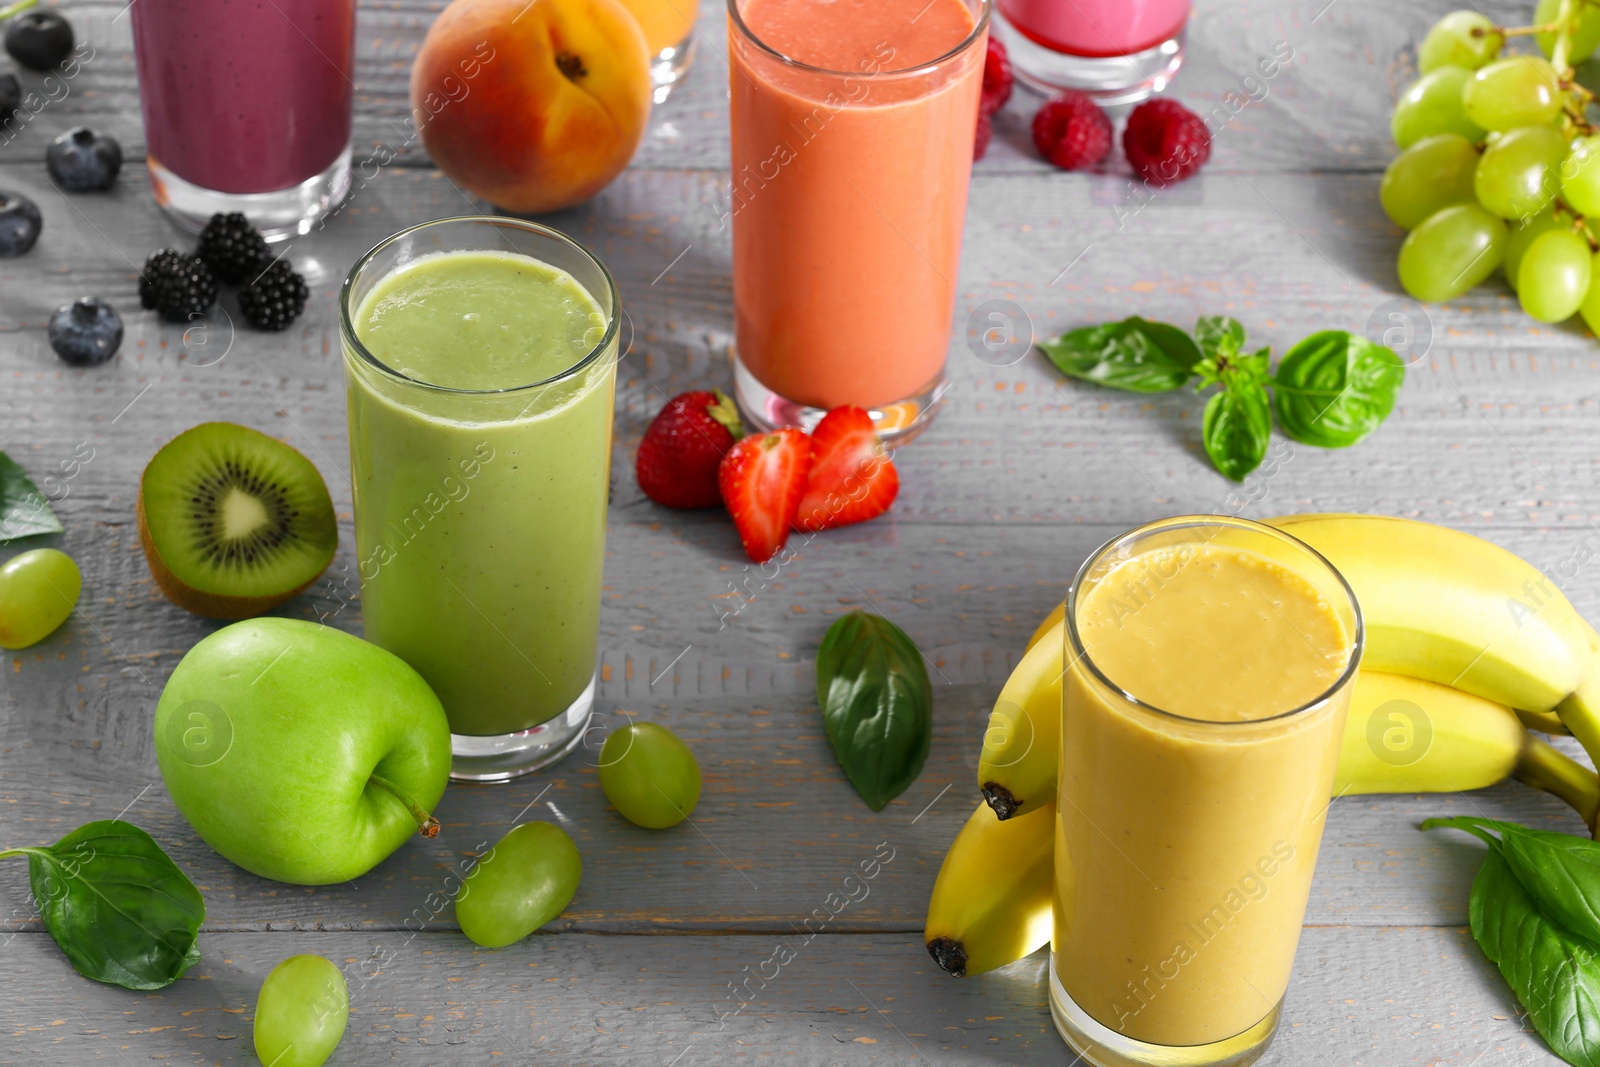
(1218, 335)
(118, 906)
(1334, 388)
(1561, 872)
(1554, 973)
(24, 512)
(1134, 354)
(1237, 426)
(877, 705)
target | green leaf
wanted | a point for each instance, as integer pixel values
(1218, 335)
(1334, 388)
(24, 512)
(1134, 354)
(877, 704)
(1533, 913)
(117, 905)
(1553, 972)
(1237, 426)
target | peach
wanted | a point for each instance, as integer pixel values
(534, 105)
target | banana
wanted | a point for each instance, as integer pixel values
(1452, 608)
(992, 901)
(1404, 735)
(1474, 741)
(1017, 767)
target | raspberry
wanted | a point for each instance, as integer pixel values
(1165, 141)
(997, 79)
(980, 143)
(1071, 131)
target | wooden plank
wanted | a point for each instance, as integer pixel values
(1497, 424)
(1359, 998)
(777, 825)
(1326, 108)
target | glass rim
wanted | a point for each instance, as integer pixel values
(354, 344)
(1179, 522)
(978, 29)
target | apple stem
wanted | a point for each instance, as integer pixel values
(427, 825)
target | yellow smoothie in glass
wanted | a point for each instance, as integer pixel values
(665, 22)
(1190, 815)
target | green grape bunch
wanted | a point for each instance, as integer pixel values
(1499, 164)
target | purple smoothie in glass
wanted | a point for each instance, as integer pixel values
(244, 96)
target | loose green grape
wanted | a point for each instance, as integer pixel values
(1435, 172)
(1460, 39)
(1451, 252)
(1511, 92)
(1519, 174)
(527, 879)
(649, 775)
(1590, 308)
(1584, 41)
(301, 1013)
(1521, 236)
(1554, 275)
(1580, 176)
(37, 592)
(1432, 104)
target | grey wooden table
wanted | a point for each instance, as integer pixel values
(1496, 432)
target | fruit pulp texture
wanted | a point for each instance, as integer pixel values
(1097, 29)
(245, 97)
(849, 193)
(1185, 847)
(665, 22)
(481, 540)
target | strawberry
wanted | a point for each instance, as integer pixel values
(762, 478)
(852, 477)
(678, 458)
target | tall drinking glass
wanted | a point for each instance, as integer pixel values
(247, 107)
(668, 27)
(480, 367)
(1117, 51)
(852, 130)
(1210, 664)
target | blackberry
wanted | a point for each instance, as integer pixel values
(180, 287)
(275, 299)
(233, 249)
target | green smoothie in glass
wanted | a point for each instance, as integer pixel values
(481, 374)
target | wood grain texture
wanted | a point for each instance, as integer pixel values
(1024, 473)
(1325, 109)
(1390, 997)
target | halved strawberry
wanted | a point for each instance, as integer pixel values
(852, 477)
(762, 479)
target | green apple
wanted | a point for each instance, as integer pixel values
(299, 752)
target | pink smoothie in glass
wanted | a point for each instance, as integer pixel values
(1097, 28)
(250, 96)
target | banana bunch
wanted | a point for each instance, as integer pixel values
(1467, 648)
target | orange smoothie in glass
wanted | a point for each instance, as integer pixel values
(852, 130)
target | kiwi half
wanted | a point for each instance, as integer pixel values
(233, 522)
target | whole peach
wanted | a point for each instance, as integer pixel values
(534, 105)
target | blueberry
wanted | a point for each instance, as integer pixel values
(86, 332)
(84, 161)
(20, 223)
(10, 95)
(39, 40)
